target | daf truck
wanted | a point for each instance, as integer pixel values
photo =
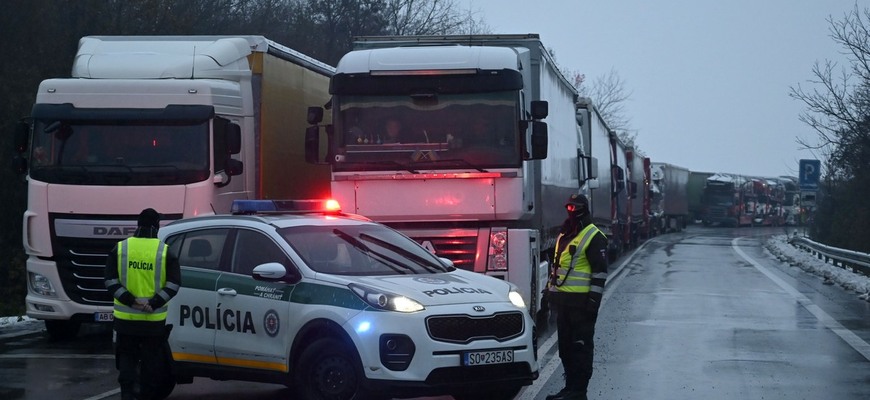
(492, 148)
(181, 124)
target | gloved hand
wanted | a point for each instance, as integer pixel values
(593, 302)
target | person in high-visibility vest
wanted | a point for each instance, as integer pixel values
(142, 275)
(575, 290)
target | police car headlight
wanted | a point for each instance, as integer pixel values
(385, 300)
(516, 299)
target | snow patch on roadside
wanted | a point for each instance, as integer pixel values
(780, 248)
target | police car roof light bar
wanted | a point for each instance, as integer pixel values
(242, 207)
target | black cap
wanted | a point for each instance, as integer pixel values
(578, 200)
(149, 217)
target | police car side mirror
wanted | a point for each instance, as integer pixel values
(269, 272)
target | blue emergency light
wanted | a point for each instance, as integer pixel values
(241, 207)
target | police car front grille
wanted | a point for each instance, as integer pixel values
(459, 248)
(466, 328)
(81, 265)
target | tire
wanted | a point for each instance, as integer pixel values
(62, 329)
(507, 393)
(330, 370)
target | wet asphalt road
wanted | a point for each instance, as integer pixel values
(702, 314)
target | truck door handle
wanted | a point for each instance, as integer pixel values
(227, 291)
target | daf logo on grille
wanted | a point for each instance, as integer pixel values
(479, 308)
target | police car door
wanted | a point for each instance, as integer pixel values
(252, 314)
(190, 311)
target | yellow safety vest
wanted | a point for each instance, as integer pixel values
(576, 267)
(142, 270)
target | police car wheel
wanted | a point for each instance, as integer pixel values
(328, 370)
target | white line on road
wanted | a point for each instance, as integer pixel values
(544, 374)
(829, 322)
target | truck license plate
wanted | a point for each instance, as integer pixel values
(104, 317)
(487, 357)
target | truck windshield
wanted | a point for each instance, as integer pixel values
(444, 131)
(91, 153)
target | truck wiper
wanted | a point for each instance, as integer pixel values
(462, 162)
(405, 167)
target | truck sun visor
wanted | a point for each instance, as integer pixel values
(173, 112)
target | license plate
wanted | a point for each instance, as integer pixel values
(487, 357)
(104, 317)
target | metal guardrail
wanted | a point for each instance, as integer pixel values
(847, 259)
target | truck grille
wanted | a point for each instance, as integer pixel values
(81, 264)
(718, 212)
(461, 248)
(466, 328)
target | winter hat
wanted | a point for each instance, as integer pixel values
(149, 218)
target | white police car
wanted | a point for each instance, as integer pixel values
(339, 307)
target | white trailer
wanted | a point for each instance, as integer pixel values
(181, 124)
(492, 205)
(608, 166)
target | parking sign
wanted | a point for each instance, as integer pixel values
(808, 176)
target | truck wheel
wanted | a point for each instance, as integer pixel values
(329, 369)
(62, 329)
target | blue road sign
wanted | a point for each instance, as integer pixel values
(808, 176)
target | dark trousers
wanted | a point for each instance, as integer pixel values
(576, 332)
(138, 359)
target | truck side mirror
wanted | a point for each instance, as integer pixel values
(539, 140)
(540, 109)
(619, 179)
(315, 115)
(22, 136)
(234, 167)
(19, 164)
(632, 190)
(234, 138)
(312, 144)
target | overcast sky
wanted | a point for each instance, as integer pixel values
(709, 79)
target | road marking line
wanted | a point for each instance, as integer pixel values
(532, 391)
(829, 322)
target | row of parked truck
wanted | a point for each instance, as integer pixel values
(186, 125)
(739, 200)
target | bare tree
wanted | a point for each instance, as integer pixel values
(838, 102)
(427, 17)
(610, 95)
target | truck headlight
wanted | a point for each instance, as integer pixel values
(385, 300)
(39, 284)
(516, 299)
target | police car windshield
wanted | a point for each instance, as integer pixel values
(341, 251)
